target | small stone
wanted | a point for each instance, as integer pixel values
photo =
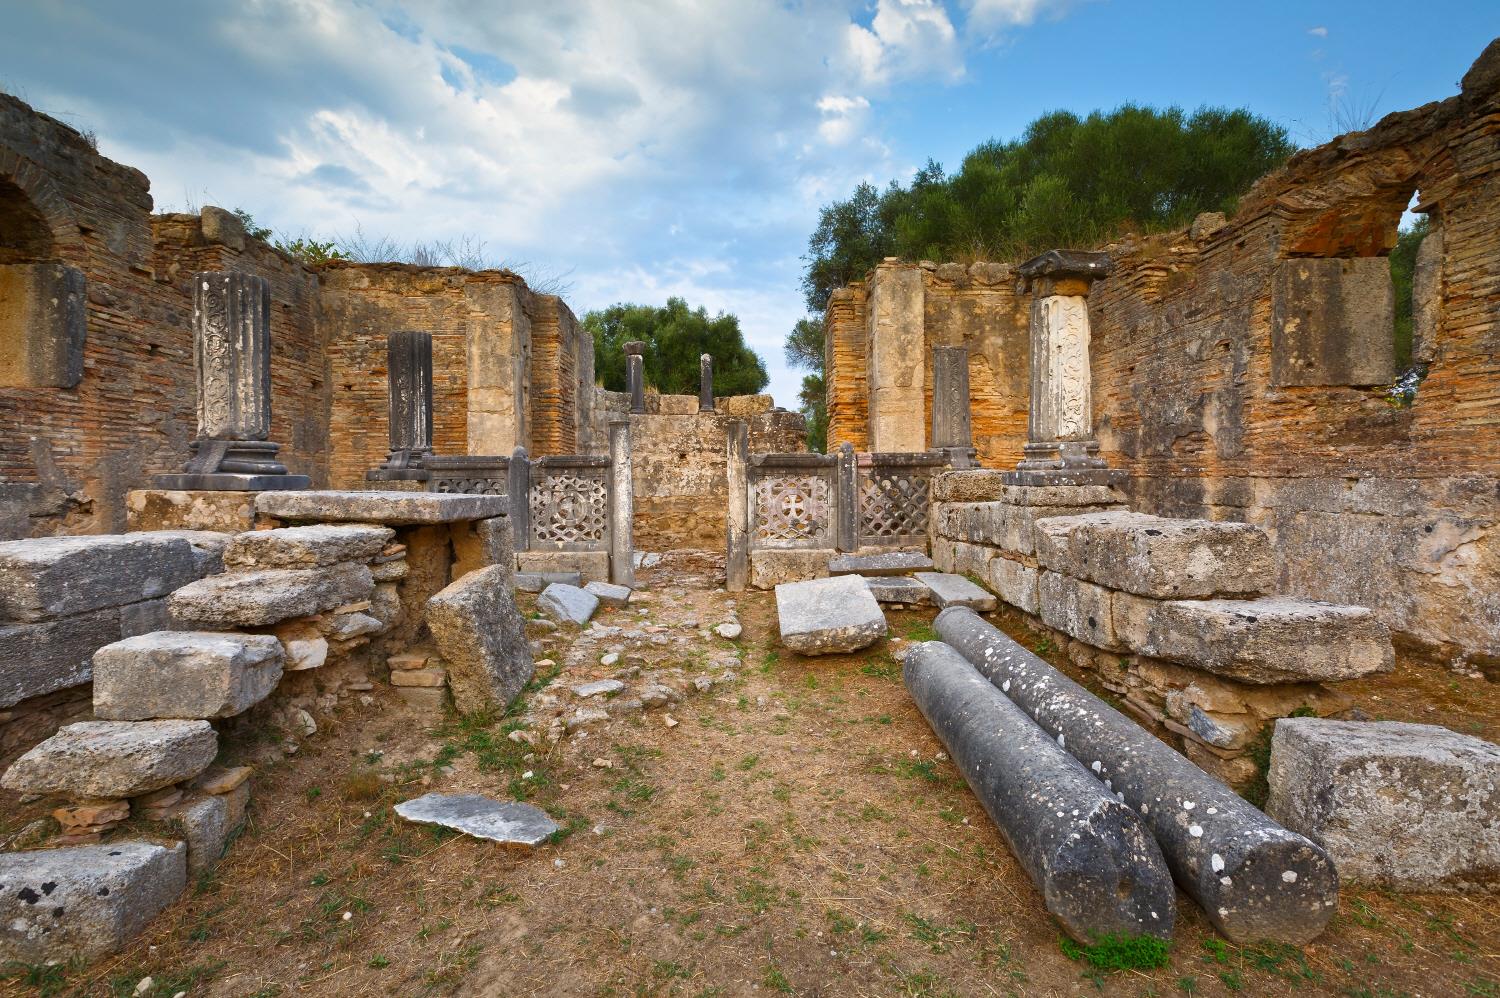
(584, 716)
(220, 780)
(302, 644)
(598, 687)
(348, 626)
(304, 722)
(669, 720)
(609, 659)
(729, 630)
(389, 571)
(507, 822)
(419, 677)
(407, 660)
(603, 764)
(92, 813)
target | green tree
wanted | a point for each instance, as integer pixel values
(675, 337)
(1403, 265)
(813, 400)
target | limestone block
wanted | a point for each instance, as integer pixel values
(567, 604)
(897, 589)
(535, 582)
(184, 674)
(942, 554)
(208, 546)
(1404, 806)
(86, 901)
(897, 360)
(880, 563)
(269, 596)
(609, 594)
(49, 577)
(303, 645)
(170, 509)
(306, 547)
(1079, 609)
(1331, 322)
(479, 632)
(592, 565)
(385, 605)
(389, 571)
(1275, 639)
(968, 485)
(1015, 583)
(828, 616)
(972, 559)
(390, 508)
(949, 589)
(348, 626)
(52, 655)
(431, 678)
(1156, 556)
(206, 824)
(114, 759)
(773, 566)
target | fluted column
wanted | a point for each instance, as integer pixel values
(706, 383)
(409, 374)
(635, 374)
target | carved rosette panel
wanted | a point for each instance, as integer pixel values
(893, 504)
(1067, 319)
(793, 510)
(568, 509)
(470, 486)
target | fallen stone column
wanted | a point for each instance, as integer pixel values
(1095, 862)
(1254, 879)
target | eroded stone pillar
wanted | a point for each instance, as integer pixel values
(737, 540)
(232, 359)
(706, 383)
(635, 374)
(896, 358)
(951, 425)
(621, 505)
(1060, 447)
(409, 374)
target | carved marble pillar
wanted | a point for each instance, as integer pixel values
(1060, 447)
(951, 427)
(232, 359)
(635, 374)
(706, 383)
(409, 376)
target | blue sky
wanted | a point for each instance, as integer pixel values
(643, 149)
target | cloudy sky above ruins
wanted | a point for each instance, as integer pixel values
(640, 150)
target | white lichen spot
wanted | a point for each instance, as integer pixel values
(1005, 686)
(1289, 876)
(1217, 862)
(1061, 739)
(1188, 805)
(1226, 881)
(1097, 766)
(1196, 831)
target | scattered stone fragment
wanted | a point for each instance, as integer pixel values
(609, 659)
(828, 616)
(669, 720)
(254, 599)
(598, 687)
(113, 759)
(955, 590)
(306, 547)
(219, 780)
(407, 660)
(609, 594)
(729, 630)
(419, 677)
(884, 563)
(535, 582)
(603, 764)
(348, 626)
(389, 571)
(584, 716)
(507, 822)
(184, 674)
(567, 604)
(304, 722)
(898, 589)
(302, 644)
(479, 633)
(48, 577)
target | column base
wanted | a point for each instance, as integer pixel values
(1066, 476)
(1063, 462)
(223, 481)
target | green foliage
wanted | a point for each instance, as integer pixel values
(1114, 952)
(813, 401)
(252, 229)
(310, 251)
(1403, 265)
(675, 337)
(804, 345)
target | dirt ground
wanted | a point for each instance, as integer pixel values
(798, 832)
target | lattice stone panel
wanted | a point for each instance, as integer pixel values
(471, 486)
(568, 510)
(893, 504)
(793, 510)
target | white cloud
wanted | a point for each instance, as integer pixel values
(1318, 32)
(991, 16)
(843, 118)
(906, 38)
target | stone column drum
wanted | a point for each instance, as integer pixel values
(635, 374)
(409, 375)
(232, 358)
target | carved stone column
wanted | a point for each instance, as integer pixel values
(737, 539)
(621, 505)
(706, 383)
(1060, 447)
(951, 426)
(232, 358)
(635, 374)
(409, 375)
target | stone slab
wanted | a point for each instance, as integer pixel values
(770, 567)
(114, 759)
(597, 688)
(828, 616)
(898, 589)
(591, 565)
(52, 655)
(48, 577)
(506, 822)
(391, 508)
(535, 582)
(184, 674)
(269, 596)
(86, 901)
(884, 563)
(567, 604)
(1403, 806)
(306, 547)
(955, 590)
(609, 594)
(481, 636)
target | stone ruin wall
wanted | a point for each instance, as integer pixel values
(1368, 503)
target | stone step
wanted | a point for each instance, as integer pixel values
(955, 590)
(113, 759)
(884, 563)
(306, 547)
(269, 596)
(49, 577)
(898, 589)
(535, 582)
(828, 616)
(184, 674)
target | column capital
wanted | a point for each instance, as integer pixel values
(1064, 272)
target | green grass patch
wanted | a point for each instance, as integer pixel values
(1113, 952)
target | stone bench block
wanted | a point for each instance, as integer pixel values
(898, 589)
(50, 577)
(269, 596)
(828, 616)
(955, 590)
(109, 760)
(306, 547)
(883, 563)
(84, 902)
(480, 634)
(567, 604)
(1405, 806)
(1156, 556)
(208, 546)
(184, 674)
(1015, 583)
(1079, 609)
(391, 508)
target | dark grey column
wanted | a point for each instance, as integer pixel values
(1253, 878)
(518, 484)
(1096, 864)
(846, 504)
(706, 383)
(232, 360)
(635, 374)
(409, 376)
(621, 505)
(951, 429)
(737, 540)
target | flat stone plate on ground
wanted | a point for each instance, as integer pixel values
(955, 590)
(509, 822)
(535, 582)
(394, 508)
(597, 687)
(884, 563)
(828, 616)
(898, 589)
(567, 604)
(609, 594)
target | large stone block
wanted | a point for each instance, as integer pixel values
(968, 485)
(1331, 322)
(208, 546)
(1015, 583)
(258, 599)
(113, 759)
(1405, 806)
(1275, 639)
(392, 508)
(53, 576)
(84, 902)
(184, 674)
(481, 636)
(567, 604)
(880, 563)
(773, 566)
(828, 616)
(592, 565)
(1157, 556)
(949, 589)
(1079, 609)
(168, 509)
(306, 547)
(52, 655)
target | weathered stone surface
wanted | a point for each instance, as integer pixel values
(1015, 583)
(480, 634)
(1009, 526)
(591, 565)
(306, 547)
(883, 563)
(1276, 639)
(112, 759)
(184, 674)
(506, 822)
(955, 590)
(392, 508)
(1404, 806)
(52, 655)
(1095, 862)
(1331, 320)
(1160, 557)
(208, 546)
(769, 567)
(567, 604)
(425, 678)
(303, 645)
(348, 626)
(828, 616)
(171, 509)
(609, 594)
(898, 589)
(1254, 879)
(535, 582)
(49, 577)
(598, 687)
(206, 826)
(269, 596)
(968, 485)
(84, 902)
(1078, 609)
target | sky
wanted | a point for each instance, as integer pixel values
(637, 149)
